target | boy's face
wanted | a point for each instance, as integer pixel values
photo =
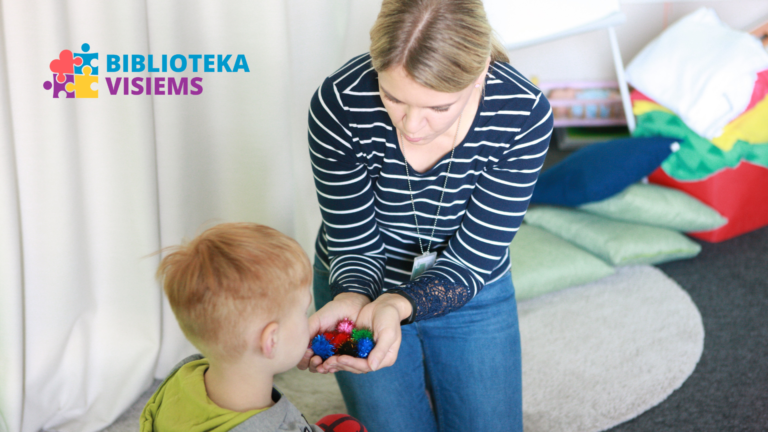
(294, 331)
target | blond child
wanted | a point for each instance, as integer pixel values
(240, 292)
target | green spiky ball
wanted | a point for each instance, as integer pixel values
(358, 334)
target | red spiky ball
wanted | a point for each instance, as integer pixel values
(339, 339)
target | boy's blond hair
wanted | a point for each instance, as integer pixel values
(226, 277)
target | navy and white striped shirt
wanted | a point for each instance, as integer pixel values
(368, 237)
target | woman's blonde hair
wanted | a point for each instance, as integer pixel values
(442, 44)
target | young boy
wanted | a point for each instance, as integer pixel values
(240, 292)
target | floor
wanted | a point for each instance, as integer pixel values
(728, 391)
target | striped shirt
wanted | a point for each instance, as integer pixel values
(368, 238)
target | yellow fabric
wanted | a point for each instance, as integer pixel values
(750, 127)
(641, 107)
(182, 404)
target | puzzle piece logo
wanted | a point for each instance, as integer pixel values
(74, 74)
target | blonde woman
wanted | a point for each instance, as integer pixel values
(425, 153)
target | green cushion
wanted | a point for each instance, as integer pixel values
(618, 243)
(659, 206)
(543, 262)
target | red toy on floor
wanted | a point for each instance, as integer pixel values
(340, 423)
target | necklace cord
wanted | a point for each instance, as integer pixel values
(442, 194)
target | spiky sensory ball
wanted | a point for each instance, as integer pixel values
(338, 339)
(322, 347)
(345, 340)
(358, 334)
(364, 347)
(345, 326)
(348, 348)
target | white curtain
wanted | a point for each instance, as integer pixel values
(89, 188)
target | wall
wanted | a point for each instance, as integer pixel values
(588, 56)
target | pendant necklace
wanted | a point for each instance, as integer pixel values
(427, 259)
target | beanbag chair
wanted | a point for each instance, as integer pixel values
(732, 182)
(739, 194)
(601, 170)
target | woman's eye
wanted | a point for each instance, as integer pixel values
(390, 99)
(439, 109)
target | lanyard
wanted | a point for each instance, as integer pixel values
(427, 259)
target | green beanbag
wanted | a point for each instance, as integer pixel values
(658, 206)
(618, 243)
(543, 262)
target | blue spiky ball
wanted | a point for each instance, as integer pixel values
(364, 347)
(322, 347)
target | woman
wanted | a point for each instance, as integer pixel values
(425, 153)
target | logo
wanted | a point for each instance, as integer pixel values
(74, 74)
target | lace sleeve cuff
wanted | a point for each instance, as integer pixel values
(434, 297)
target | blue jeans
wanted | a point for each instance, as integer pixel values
(468, 361)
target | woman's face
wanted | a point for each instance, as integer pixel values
(419, 113)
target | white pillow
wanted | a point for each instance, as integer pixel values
(700, 69)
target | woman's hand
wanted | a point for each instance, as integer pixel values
(383, 317)
(344, 305)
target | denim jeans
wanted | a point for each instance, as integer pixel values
(468, 361)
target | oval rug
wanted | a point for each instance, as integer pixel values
(600, 354)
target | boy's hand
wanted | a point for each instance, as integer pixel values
(344, 305)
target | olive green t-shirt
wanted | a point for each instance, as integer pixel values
(182, 404)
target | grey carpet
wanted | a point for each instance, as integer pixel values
(596, 355)
(728, 391)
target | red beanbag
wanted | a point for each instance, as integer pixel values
(738, 194)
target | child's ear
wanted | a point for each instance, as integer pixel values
(268, 340)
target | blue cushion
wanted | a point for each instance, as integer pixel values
(599, 171)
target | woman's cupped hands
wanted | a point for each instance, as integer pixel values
(382, 316)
